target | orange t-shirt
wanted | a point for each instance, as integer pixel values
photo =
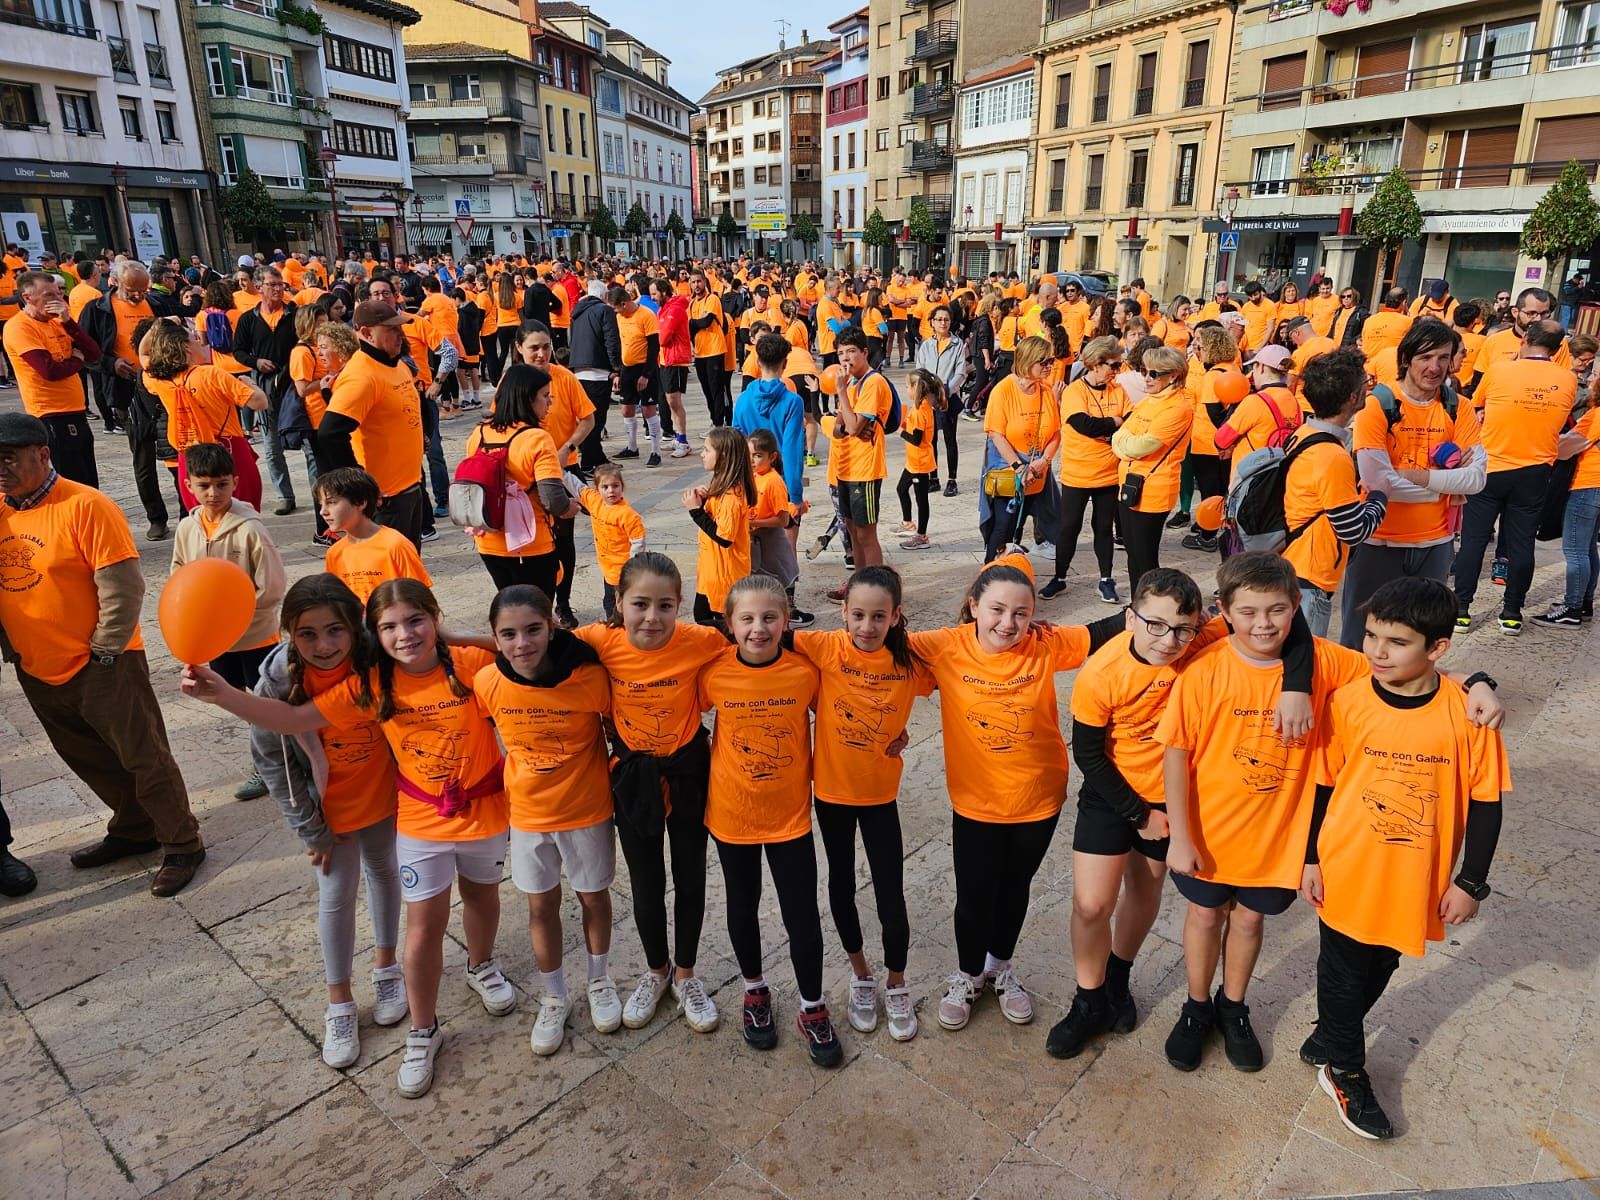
(710, 342)
(530, 458)
(1323, 477)
(863, 704)
(1004, 759)
(1320, 311)
(1313, 347)
(1088, 462)
(128, 318)
(569, 404)
(616, 528)
(202, 404)
(306, 367)
(1168, 416)
(1471, 344)
(244, 301)
(636, 332)
(1255, 420)
(1403, 779)
(557, 775)
(1250, 796)
(772, 495)
(48, 556)
(422, 336)
(438, 738)
(383, 400)
(361, 787)
(80, 297)
(655, 703)
(865, 459)
(1258, 318)
(1588, 473)
(1384, 366)
(1409, 444)
(759, 790)
(1526, 402)
(1507, 344)
(1028, 421)
(1203, 431)
(828, 310)
(720, 567)
(922, 458)
(42, 397)
(363, 565)
(1383, 328)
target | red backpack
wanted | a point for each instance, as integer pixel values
(478, 492)
(1285, 426)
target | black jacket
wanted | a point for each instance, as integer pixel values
(593, 341)
(253, 338)
(99, 321)
(538, 302)
(1352, 327)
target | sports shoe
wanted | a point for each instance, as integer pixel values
(1124, 1012)
(641, 1006)
(950, 489)
(799, 618)
(680, 449)
(1108, 592)
(627, 453)
(1015, 1003)
(389, 1004)
(441, 510)
(493, 988)
(901, 1011)
(1314, 1051)
(813, 461)
(1083, 1021)
(1511, 624)
(849, 560)
(699, 1010)
(1200, 541)
(324, 539)
(341, 1036)
(251, 789)
(1243, 1048)
(759, 1030)
(565, 617)
(1560, 614)
(822, 1042)
(1187, 1041)
(550, 1026)
(970, 415)
(605, 1008)
(838, 593)
(1178, 520)
(416, 1064)
(816, 548)
(1497, 572)
(653, 461)
(1044, 550)
(1053, 589)
(1463, 619)
(862, 1005)
(285, 507)
(955, 1007)
(917, 541)
(1358, 1106)
(157, 532)
(430, 535)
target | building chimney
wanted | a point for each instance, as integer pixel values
(805, 38)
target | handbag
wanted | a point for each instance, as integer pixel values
(1133, 486)
(1006, 482)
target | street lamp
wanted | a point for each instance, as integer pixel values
(119, 178)
(327, 156)
(416, 209)
(537, 185)
(1231, 206)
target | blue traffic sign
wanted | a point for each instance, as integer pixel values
(463, 208)
(1230, 241)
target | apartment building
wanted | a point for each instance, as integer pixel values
(994, 127)
(764, 131)
(845, 84)
(569, 44)
(651, 158)
(1132, 112)
(99, 138)
(1481, 103)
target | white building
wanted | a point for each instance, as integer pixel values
(995, 122)
(844, 142)
(657, 152)
(99, 137)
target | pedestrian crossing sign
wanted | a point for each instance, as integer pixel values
(1230, 241)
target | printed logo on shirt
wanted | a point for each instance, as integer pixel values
(1001, 725)
(761, 749)
(350, 747)
(437, 754)
(1402, 811)
(1265, 761)
(17, 572)
(862, 720)
(643, 725)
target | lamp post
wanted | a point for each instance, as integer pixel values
(537, 185)
(327, 156)
(119, 179)
(416, 211)
(1230, 206)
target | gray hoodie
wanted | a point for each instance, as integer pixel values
(293, 767)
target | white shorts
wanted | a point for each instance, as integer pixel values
(589, 855)
(428, 868)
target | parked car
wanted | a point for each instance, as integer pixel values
(1094, 283)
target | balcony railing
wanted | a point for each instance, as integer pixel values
(933, 155)
(1136, 191)
(936, 40)
(1102, 108)
(1091, 197)
(513, 164)
(1055, 200)
(1062, 115)
(121, 58)
(494, 106)
(929, 100)
(1431, 179)
(1194, 93)
(155, 59)
(562, 204)
(939, 208)
(1144, 101)
(8, 16)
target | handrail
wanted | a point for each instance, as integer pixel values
(1366, 180)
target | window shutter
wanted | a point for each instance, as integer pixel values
(1383, 59)
(1560, 139)
(1284, 77)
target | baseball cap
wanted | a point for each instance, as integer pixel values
(19, 429)
(1274, 358)
(371, 313)
(247, 261)
(1439, 289)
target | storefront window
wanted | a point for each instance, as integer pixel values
(1479, 264)
(65, 224)
(152, 228)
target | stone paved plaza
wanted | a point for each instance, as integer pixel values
(170, 1047)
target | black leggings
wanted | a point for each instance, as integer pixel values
(995, 865)
(647, 880)
(501, 347)
(1210, 475)
(982, 380)
(1006, 526)
(1351, 975)
(1141, 538)
(536, 569)
(946, 422)
(1073, 501)
(880, 837)
(925, 485)
(713, 379)
(794, 875)
(566, 553)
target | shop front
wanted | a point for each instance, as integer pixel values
(1270, 251)
(1047, 248)
(367, 226)
(1483, 250)
(66, 208)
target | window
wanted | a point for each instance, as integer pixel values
(471, 146)
(738, 210)
(1094, 186)
(758, 142)
(802, 103)
(423, 93)
(738, 146)
(1058, 185)
(991, 198)
(357, 58)
(908, 80)
(1102, 93)
(465, 87)
(882, 139)
(366, 141)
(1138, 177)
(1022, 99)
(1194, 87)
(1580, 31)
(19, 106)
(883, 87)
(583, 134)
(278, 162)
(761, 174)
(1013, 197)
(596, 39)
(908, 134)
(738, 178)
(1281, 81)
(1183, 182)
(803, 173)
(851, 157)
(1063, 101)
(251, 76)
(1498, 50)
(131, 127)
(566, 128)
(229, 158)
(883, 35)
(1270, 171)
(166, 122)
(1091, 254)
(757, 108)
(738, 114)
(77, 112)
(1144, 95)
(609, 94)
(836, 152)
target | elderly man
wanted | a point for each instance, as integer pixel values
(595, 357)
(69, 605)
(49, 352)
(262, 341)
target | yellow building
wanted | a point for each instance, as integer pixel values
(1133, 96)
(502, 25)
(572, 141)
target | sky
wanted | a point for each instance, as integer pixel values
(702, 36)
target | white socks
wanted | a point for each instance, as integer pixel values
(755, 985)
(631, 424)
(653, 428)
(599, 965)
(344, 1007)
(554, 982)
(993, 966)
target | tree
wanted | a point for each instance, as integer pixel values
(676, 229)
(875, 232)
(805, 231)
(727, 228)
(637, 223)
(1565, 219)
(603, 225)
(1390, 219)
(250, 211)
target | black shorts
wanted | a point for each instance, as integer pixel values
(830, 359)
(1268, 901)
(674, 379)
(858, 500)
(897, 325)
(808, 398)
(1100, 829)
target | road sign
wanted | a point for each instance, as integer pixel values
(464, 226)
(463, 208)
(1230, 241)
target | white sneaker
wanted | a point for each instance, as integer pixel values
(495, 990)
(1015, 1004)
(955, 1008)
(389, 1005)
(902, 1013)
(698, 1009)
(641, 1006)
(605, 1009)
(550, 1026)
(862, 1005)
(680, 449)
(341, 1036)
(416, 1066)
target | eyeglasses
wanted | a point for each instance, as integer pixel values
(1160, 629)
(1502, 297)
(1154, 375)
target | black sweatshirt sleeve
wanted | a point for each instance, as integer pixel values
(707, 525)
(1101, 776)
(1103, 630)
(1319, 812)
(1482, 836)
(696, 324)
(1299, 656)
(334, 448)
(1092, 427)
(915, 437)
(652, 353)
(1218, 414)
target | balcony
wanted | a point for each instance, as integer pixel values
(1063, 10)
(258, 17)
(469, 165)
(1102, 108)
(1144, 101)
(155, 59)
(934, 41)
(1092, 195)
(1194, 93)
(932, 155)
(477, 108)
(939, 207)
(928, 100)
(122, 59)
(1325, 191)
(8, 16)
(562, 205)
(1136, 190)
(1062, 117)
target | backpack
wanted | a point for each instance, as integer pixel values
(478, 492)
(891, 423)
(1253, 512)
(1390, 403)
(1283, 431)
(219, 331)
(294, 422)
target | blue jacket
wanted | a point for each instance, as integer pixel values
(768, 404)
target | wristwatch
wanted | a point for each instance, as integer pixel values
(1481, 677)
(1478, 891)
(103, 660)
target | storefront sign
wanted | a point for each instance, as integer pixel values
(768, 216)
(1273, 225)
(1049, 231)
(23, 229)
(1474, 223)
(13, 171)
(148, 242)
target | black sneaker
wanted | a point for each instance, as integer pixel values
(1083, 1021)
(1314, 1051)
(1177, 520)
(1497, 572)
(1463, 618)
(565, 617)
(626, 454)
(1108, 592)
(1244, 1050)
(1124, 1012)
(1053, 589)
(950, 489)
(1200, 541)
(1560, 615)
(759, 1030)
(822, 1043)
(324, 539)
(1358, 1106)
(653, 461)
(1188, 1038)
(800, 619)
(430, 535)
(1510, 623)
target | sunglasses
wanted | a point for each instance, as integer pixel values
(1154, 375)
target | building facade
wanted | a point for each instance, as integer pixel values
(568, 45)
(995, 120)
(1480, 103)
(99, 139)
(1132, 109)
(845, 86)
(656, 155)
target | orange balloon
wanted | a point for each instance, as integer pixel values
(1230, 387)
(1208, 513)
(205, 608)
(830, 380)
